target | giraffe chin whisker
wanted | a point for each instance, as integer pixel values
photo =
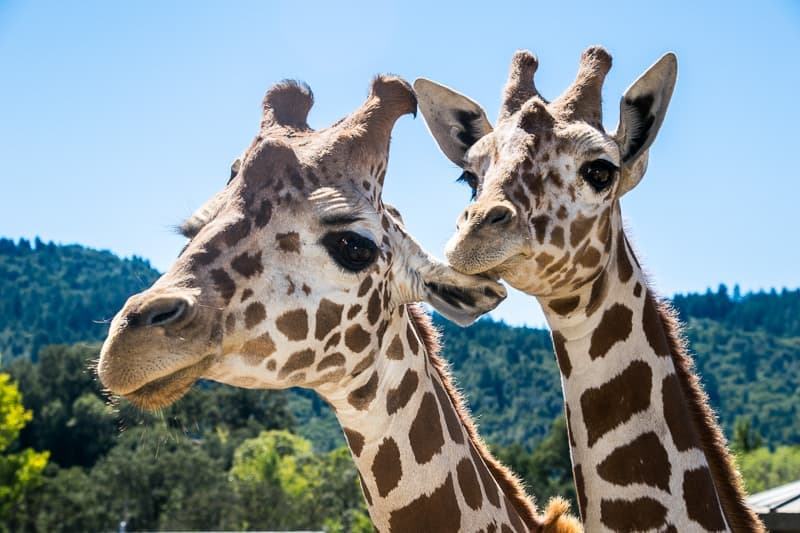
(168, 389)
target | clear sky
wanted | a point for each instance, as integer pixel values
(117, 119)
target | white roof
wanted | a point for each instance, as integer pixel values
(783, 499)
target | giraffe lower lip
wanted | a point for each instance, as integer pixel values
(168, 389)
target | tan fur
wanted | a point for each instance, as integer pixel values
(557, 518)
(727, 480)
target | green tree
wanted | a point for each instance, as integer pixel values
(282, 484)
(20, 471)
(763, 469)
(745, 437)
(547, 471)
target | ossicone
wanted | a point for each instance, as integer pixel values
(287, 104)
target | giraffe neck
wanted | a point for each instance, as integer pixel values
(640, 457)
(420, 465)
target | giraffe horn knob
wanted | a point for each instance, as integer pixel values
(582, 100)
(519, 87)
(287, 104)
(390, 97)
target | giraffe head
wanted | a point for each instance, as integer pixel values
(292, 272)
(547, 178)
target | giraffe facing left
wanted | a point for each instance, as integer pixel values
(297, 274)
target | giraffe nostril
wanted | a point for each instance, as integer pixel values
(165, 311)
(499, 215)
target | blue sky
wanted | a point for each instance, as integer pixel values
(118, 119)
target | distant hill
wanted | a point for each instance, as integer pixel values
(747, 346)
(61, 293)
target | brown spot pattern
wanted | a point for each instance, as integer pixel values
(293, 324)
(264, 213)
(426, 435)
(557, 237)
(559, 343)
(564, 306)
(513, 516)
(653, 328)
(398, 398)
(355, 440)
(615, 326)
(488, 482)
(411, 337)
(617, 400)
(288, 242)
(589, 258)
(386, 467)
(597, 294)
(223, 284)
(363, 396)
(254, 315)
(675, 413)
(438, 512)
(641, 514)
(296, 361)
(365, 286)
(374, 307)
(643, 460)
(258, 349)
(363, 365)
(235, 232)
(247, 265)
(353, 311)
(701, 499)
(580, 489)
(540, 226)
(395, 349)
(637, 289)
(579, 229)
(333, 341)
(335, 359)
(451, 419)
(468, 482)
(356, 338)
(329, 315)
(367, 495)
(624, 266)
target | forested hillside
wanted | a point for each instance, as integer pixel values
(55, 294)
(747, 347)
(261, 459)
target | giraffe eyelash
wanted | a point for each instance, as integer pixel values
(471, 180)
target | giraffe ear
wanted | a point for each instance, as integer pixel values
(461, 298)
(455, 121)
(642, 111)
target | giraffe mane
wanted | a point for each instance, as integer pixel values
(727, 479)
(557, 518)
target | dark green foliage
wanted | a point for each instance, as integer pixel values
(172, 470)
(777, 313)
(547, 470)
(61, 294)
(509, 377)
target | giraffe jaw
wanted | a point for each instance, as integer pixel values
(166, 390)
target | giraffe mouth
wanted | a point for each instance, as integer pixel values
(166, 390)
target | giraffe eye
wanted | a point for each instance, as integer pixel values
(470, 179)
(350, 250)
(599, 174)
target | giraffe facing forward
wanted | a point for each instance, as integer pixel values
(547, 180)
(297, 274)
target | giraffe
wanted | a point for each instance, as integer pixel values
(547, 180)
(297, 274)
